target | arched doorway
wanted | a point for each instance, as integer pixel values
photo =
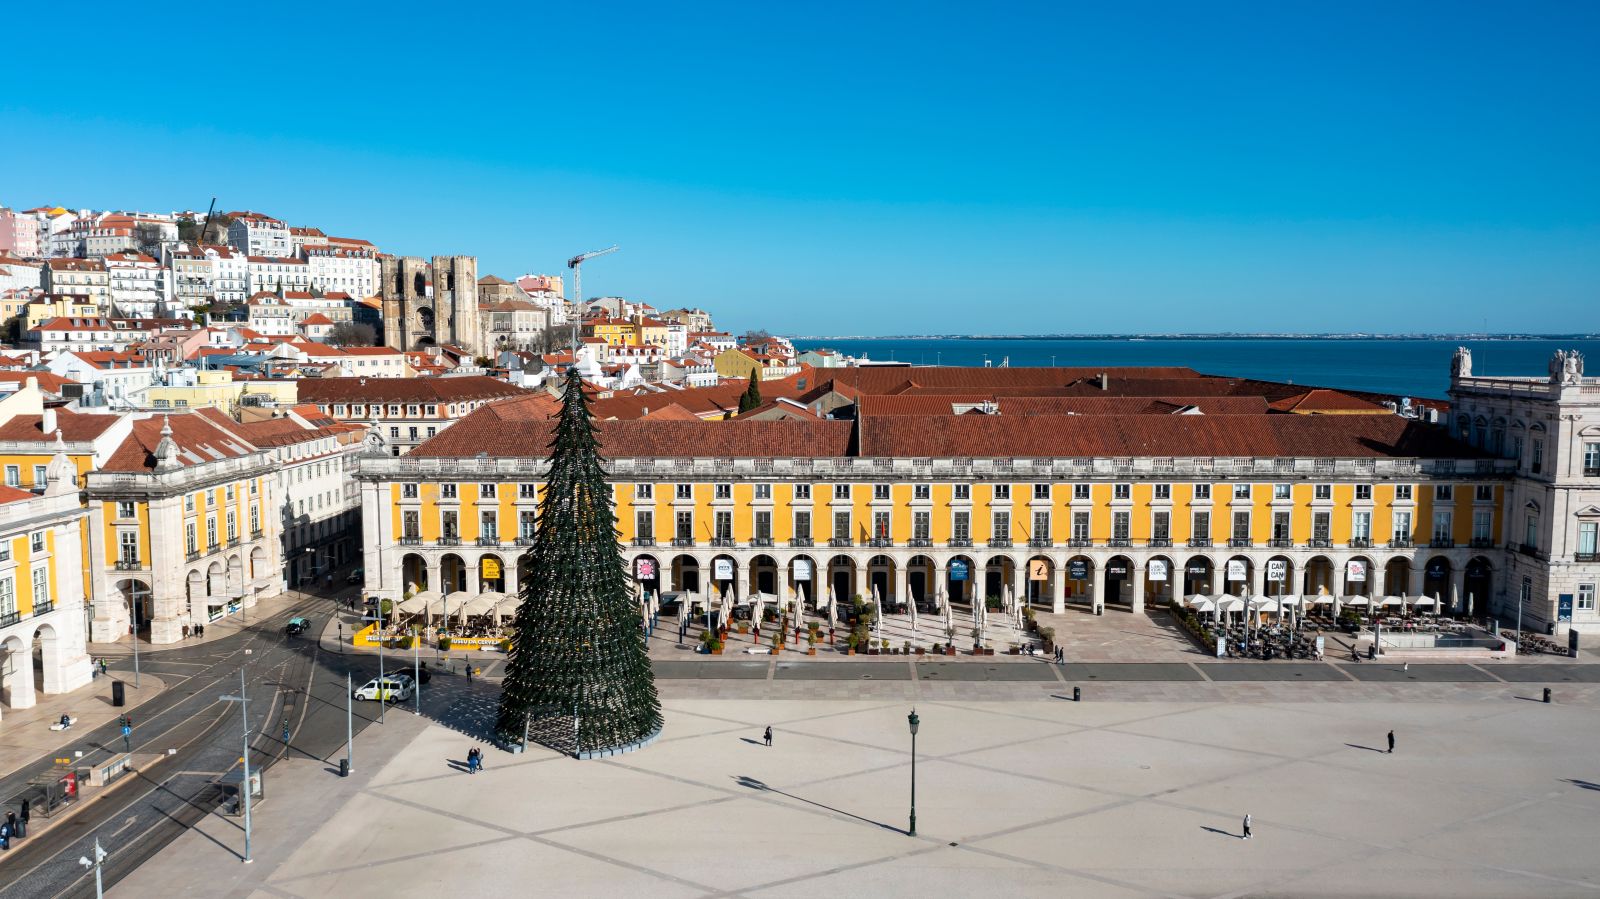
(1079, 576)
(841, 579)
(1436, 580)
(919, 580)
(1278, 577)
(958, 576)
(1119, 581)
(647, 572)
(452, 574)
(880, 582)
(258, 563)
(1199, 577)
(1159, 581)
(1358, 577)
(803, 578)
(47, 660)
(216, 581)
(999, 573)
(1397, 577)
(414, 573)
(524, 570)
(1318, 579)
(491, 574)
(235, 575)
(1236, 576)
(764, 575)
(686, 574)
(1477, 589)
(16, 674)
(1040, 581)
(725, 577)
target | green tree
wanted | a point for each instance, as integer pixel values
(578, 679)
(751, 398)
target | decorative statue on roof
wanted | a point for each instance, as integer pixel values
(373, 444)
(1461, 365)
(1572, 368)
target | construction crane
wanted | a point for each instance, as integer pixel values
(576, 264)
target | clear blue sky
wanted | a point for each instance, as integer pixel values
(924, 168)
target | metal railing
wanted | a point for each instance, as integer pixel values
(410, 541)
(1160, 541)
(761, 541)
(1400, 543)
(1199, 543)
(1079, 542)
(1281, 542)
(683, 541)
(722, 541)
(449, 541)
(637, 541)
(841, 542)
(1039, 543)
(920, 541)
(959, 543)
(488, 541)
(43, 608)
(880, 541)
(1239, 542)
(1586, 557)
(801, 542)
(128, 565)
(9, 618)
(1119, 541)
(1000, 543)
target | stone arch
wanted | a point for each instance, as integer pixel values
(1119, 574)
(1200, 576)
(419, 284)
(1232, 581)
(959, 573)
(1318, 577)
(803, 578)
(999, 572)
(16, 673)
(258, 563)
(1159, 590)
(725, 576)
(1283, 587)
(1358, 577)
(216, 580)
(1397, 576)
(646, 572)
(686, 573)
(194, 587)
(413, 573)
(1477, 587)
(47, 658)
(1436, 578)
(1038, 591)
(452, 574)
(880, 580)
(763, 575)
(842, 582)
(1079, 588)
(491, 573)
(235, 575)
(919, 579)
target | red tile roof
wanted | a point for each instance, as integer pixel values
(200, 439)
(323, 391)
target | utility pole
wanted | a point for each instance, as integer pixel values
(99, 861)
(244, 785)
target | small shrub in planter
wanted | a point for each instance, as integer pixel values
(444, 644)
(505, 645)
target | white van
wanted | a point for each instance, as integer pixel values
(392, 688)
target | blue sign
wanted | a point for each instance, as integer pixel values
(1078, 570)
(958, 571)
(1564, 607)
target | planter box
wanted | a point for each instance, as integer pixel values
(988, 652)
(716, 650)
(919, 650)
(812, 651)
(949, 650)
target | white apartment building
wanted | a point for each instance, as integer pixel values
(1551, 426)
(272, 274)
(300, 238)
(255, 234)
(114, 376)
(20, 274)
(80, 277)
(200, 275)
(138, 285)
(350, 270)
(320, 500)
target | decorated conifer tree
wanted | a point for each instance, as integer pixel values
(578, 679)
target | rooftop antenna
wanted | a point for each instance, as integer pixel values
(576, 264)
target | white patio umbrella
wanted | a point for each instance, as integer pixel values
(423, 602)
(1390, 601)
(1201, 603)
(1357, 601)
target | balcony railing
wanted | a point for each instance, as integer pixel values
(255, 535)
(637, 541)
(1281, 542)
(760, 541)
(192, 555)
(1589, 472)
(1000, 543)
(880, 541)
(919, 541)
(1160, 541)
(10, 618)
(1482, 542)
(527, 540)
(1119, 541)
(722, 541)
(488, 541)
(411, 541)
(1400, 543)
(212, 547)
(960, 543)
(801, 542)
(43, 608)
(1529, 549)
(1039, 543)
(1239, 542)
(128, 565)
(682, 541)
(1200, 543)
(1355, 542)
(1077, 542)
(233, 541)
(841, 541)
(1586, 557)
(1439, 543)
(449, 541)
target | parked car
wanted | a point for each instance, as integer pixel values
(297, 626)
(356, 577)
(390, 688)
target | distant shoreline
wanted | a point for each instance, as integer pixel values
(1473, 337)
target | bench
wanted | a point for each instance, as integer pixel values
(59, 726)
(108, 771)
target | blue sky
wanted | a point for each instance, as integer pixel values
(849, 169)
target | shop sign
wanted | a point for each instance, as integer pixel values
(1116, 569)
(722, 569)
(1199, 569)
(1277, 570)
(1356, 570)
(1038, 569)
(645, 568)
(491, 568)
(1158, 569)
(1564, 607)
(1236, 570)
(958, 571)
(1078, 570)
(802, 569)
(1435, 569)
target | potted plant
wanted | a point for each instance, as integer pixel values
(885, 645)
(744, 628)
(977, 648)
(777, 643)
(444, 644)
(1047, 635)
(505, 644)
(850, 644)
(811, 649)
(919, 650)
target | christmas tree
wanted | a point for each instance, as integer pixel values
(578, 679)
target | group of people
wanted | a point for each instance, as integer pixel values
(15, 826)
(474, 760)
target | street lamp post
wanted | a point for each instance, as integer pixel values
(133, 615)
(913, 721)
(99, 860)
(349, 724)
(244, 786)
(382, 700)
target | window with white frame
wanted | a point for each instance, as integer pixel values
(1402, 491)
(763, 491)
(1282, 491)
(1241, 525)
(802, 525)
(1444, 493)
(1121, 491)
(41, 586)
(1363, 493)
(1483, 493)
(489, 524)
(36, 541)
(1041, 526)
(1586, 597)
(1241, 491)
(921, 525)
(447, 491)
(1041, 491)
(128, 546)
(1202, 491)
(683, 491)
(487, 491)
(1002, 491)
(1161, 525)
(841, 491)
(880, 491)
(1080, 491)
(528, 524)
(1588, 537)
(1481, 522)
(1530, 536)
(1322, 492)
(8, 596)
(1162, 492)
(922, 491)
(1121, 525)
(1002, 526)
(1202, 526)
(189, 538)
(1080, 525)
(961, 527)
(722, 491)
(963, 491)
(841, 525)
(1443, 528)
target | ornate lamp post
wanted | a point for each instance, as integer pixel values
(913, 721)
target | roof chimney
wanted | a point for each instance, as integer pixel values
(47, 422)
(1104, 382)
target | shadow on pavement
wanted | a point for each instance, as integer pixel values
(752, 783)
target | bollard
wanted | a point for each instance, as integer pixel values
(344, 767)
(1546, 694)
(1077, 694)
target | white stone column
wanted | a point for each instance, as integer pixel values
(1138, 588)
(169, 605)
(17, 691)
(72, 667)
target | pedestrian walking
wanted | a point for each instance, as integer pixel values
(127, 732)
(1247, 825)
(1391, 742)
(26, 809)
(768, 735)
(186, 632)
(102, 665)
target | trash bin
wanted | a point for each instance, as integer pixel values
(119, 694)
(344, 767)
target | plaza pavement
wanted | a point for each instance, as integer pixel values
(1488, 795)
